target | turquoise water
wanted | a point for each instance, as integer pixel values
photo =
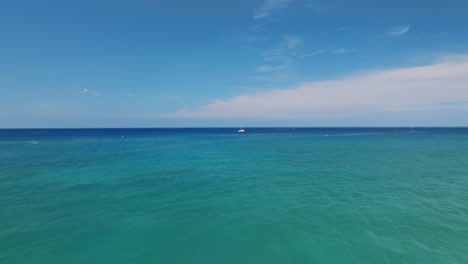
(389, 195)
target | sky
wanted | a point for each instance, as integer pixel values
(211, 63)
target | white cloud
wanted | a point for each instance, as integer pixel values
(88, 91)
(397, 31)
(268, 7)
(425, 88)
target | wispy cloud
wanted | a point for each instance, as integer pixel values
(257, 28)
(310, 4)
(291, 41)
(253, 38)
(268, 7)
(88, 91)
(289, 49)
(398, 31)
(268, 68)
(335, 51)
(280, 57)
(4, 77)
(277, 62)
(343, 51)
(181, 66)
(442, 34)
(167, 96)
(319, 5)
(340, 29)
(315, 53)
(171, 96)
(424, 88)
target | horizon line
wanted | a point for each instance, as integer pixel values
(227, 127)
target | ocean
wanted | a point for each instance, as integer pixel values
(212, 195)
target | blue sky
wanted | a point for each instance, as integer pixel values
(222, 63)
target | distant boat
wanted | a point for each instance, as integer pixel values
(241, 130)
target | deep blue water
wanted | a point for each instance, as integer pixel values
(212, 195)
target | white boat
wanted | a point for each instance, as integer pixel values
(241, 130)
